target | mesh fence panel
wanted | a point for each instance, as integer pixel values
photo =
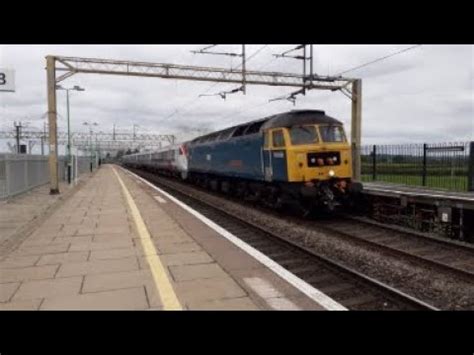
(440, 165)
(3, 179)
(21, 172)
(17, 175)
(83, 164)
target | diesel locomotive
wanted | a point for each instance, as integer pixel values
(300, 158)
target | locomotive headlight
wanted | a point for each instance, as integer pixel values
(331, 173)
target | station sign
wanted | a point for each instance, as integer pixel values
(7, 80)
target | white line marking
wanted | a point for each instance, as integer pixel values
(159, 199)
(270, 294)
(282, 304)
(264, 288)
(298, 283)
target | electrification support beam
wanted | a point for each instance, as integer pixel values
(145, 137)
(356, 128)
(75, 65)
(52, 120)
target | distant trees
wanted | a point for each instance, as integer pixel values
(121, 152)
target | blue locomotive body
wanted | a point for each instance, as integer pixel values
(236, 157)
(299, 156)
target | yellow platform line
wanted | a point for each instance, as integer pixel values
(162, 283)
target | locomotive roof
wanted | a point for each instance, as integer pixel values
(288, 119)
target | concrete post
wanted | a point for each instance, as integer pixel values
(52, 120)
(356, 128)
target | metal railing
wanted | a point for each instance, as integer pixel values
(447, 166)
(21, 172)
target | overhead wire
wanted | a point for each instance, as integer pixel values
(273, 59)
(378, 59)
(255, 106)
(247, 109)
(213, 85)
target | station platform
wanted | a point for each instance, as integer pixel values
(117, 243)
(463, 200)
(21, 214)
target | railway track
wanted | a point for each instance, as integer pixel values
(347, 286)
(454, 258)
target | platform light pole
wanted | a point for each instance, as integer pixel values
(135, 126)
(90, 124)
(97, 150)
(18, 127)
(69, 163)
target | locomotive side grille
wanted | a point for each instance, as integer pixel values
(315, 159)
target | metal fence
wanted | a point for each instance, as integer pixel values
(20, 172)
(445, 165)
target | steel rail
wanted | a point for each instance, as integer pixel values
(371, 282)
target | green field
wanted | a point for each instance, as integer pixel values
(447, 182)
(415, 169)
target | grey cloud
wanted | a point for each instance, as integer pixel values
(424, 94)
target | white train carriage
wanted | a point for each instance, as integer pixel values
(170, 160)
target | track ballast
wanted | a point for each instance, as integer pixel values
(347, 286)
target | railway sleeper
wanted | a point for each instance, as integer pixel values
(358, 300)
(336, 288)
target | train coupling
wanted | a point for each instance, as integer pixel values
(322, 194)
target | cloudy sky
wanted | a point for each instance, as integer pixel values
(425, 94)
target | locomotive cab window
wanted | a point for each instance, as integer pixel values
(278, 139)
(303, 135)
(332, 134)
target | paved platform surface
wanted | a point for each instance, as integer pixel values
(117, 244)
(19, 214)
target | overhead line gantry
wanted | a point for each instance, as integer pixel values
(69, 66)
